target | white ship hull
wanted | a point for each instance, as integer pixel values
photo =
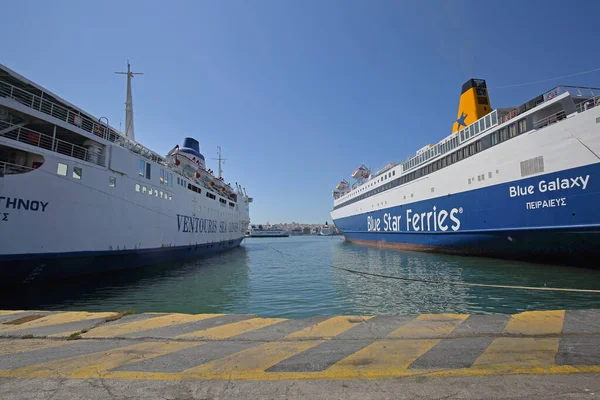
(103, 217)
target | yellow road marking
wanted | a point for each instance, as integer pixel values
(507, 354)
(97, 364)
(14, 346)
(54, 319)
(536, 323)
(9, 312)
(229, 330)
(117, 330)
(384, 357)
(427, 326)
(327, 329)
(251, 363)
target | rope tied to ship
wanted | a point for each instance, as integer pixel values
(443, 282)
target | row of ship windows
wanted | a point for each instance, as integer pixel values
(383, 178)
(153, 192)
(166, 178)
(494, 138)
(63, 170)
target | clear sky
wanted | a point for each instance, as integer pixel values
(298, 93)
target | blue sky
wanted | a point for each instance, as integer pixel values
(298, 93)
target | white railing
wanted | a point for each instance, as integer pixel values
(586, 105)
(549, 120)
(12, 169)
(37, 139)
(75, 118)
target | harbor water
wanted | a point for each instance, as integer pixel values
(294, 277)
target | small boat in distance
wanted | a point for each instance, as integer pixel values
(267, 231)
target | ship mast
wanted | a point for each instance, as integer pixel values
(129, 102)
(221, 161)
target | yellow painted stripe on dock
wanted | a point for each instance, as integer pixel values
(233, 329)
(95, 365)
(251, 363)
(327, 329)
(118, 330)
(55, 319)
(427, 326)
(9, 312)
(14, 346)
(536, 323)
(506, 355)
(383, 358)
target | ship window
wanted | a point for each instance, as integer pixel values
(155, 193)
(142, 167)
(62, 169)
(494, 138)
(471, 149)
(77, 172)
(150, 191)
(502, 134)
(453, 158)
(476, 126)
(112, 181)
(478, 146)
(512, 130)
(487, 121)
(178, 182)
(170, 196)
(522, 125)
(137, 187)
(161, 194)
(443, 162)
(162, 173)
(171, 180)
(494, 118)
(448, 159)
(394, 173)
(143, 189)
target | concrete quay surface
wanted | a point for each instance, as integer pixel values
(75, 353)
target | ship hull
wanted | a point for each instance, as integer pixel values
(27, 268)
(560, 225)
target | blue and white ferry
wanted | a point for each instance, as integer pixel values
(77, 196)
(520, 182)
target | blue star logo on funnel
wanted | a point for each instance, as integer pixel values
(461, 120)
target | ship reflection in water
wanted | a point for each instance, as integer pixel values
(293, 277)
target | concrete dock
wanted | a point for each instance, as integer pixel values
(51, 347)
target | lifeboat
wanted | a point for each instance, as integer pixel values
(188, 156)
(361, 172)
(342, 186)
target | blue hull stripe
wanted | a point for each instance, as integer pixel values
(547, 215)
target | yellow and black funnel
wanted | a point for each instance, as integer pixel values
(474, 104)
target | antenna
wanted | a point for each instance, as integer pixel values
(221, 161)
(129, 102)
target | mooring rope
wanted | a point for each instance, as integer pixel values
(441, 282)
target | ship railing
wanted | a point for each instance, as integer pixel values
(41, 140)
(7, 168)
(549, 120)
(75, 118)
(587, 104)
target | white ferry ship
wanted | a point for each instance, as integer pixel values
(267, 231)
(77, 196)
(519, 182)
(326, 230)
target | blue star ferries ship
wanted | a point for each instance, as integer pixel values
(519, 182)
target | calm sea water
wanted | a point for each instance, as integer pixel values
(293, 277)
